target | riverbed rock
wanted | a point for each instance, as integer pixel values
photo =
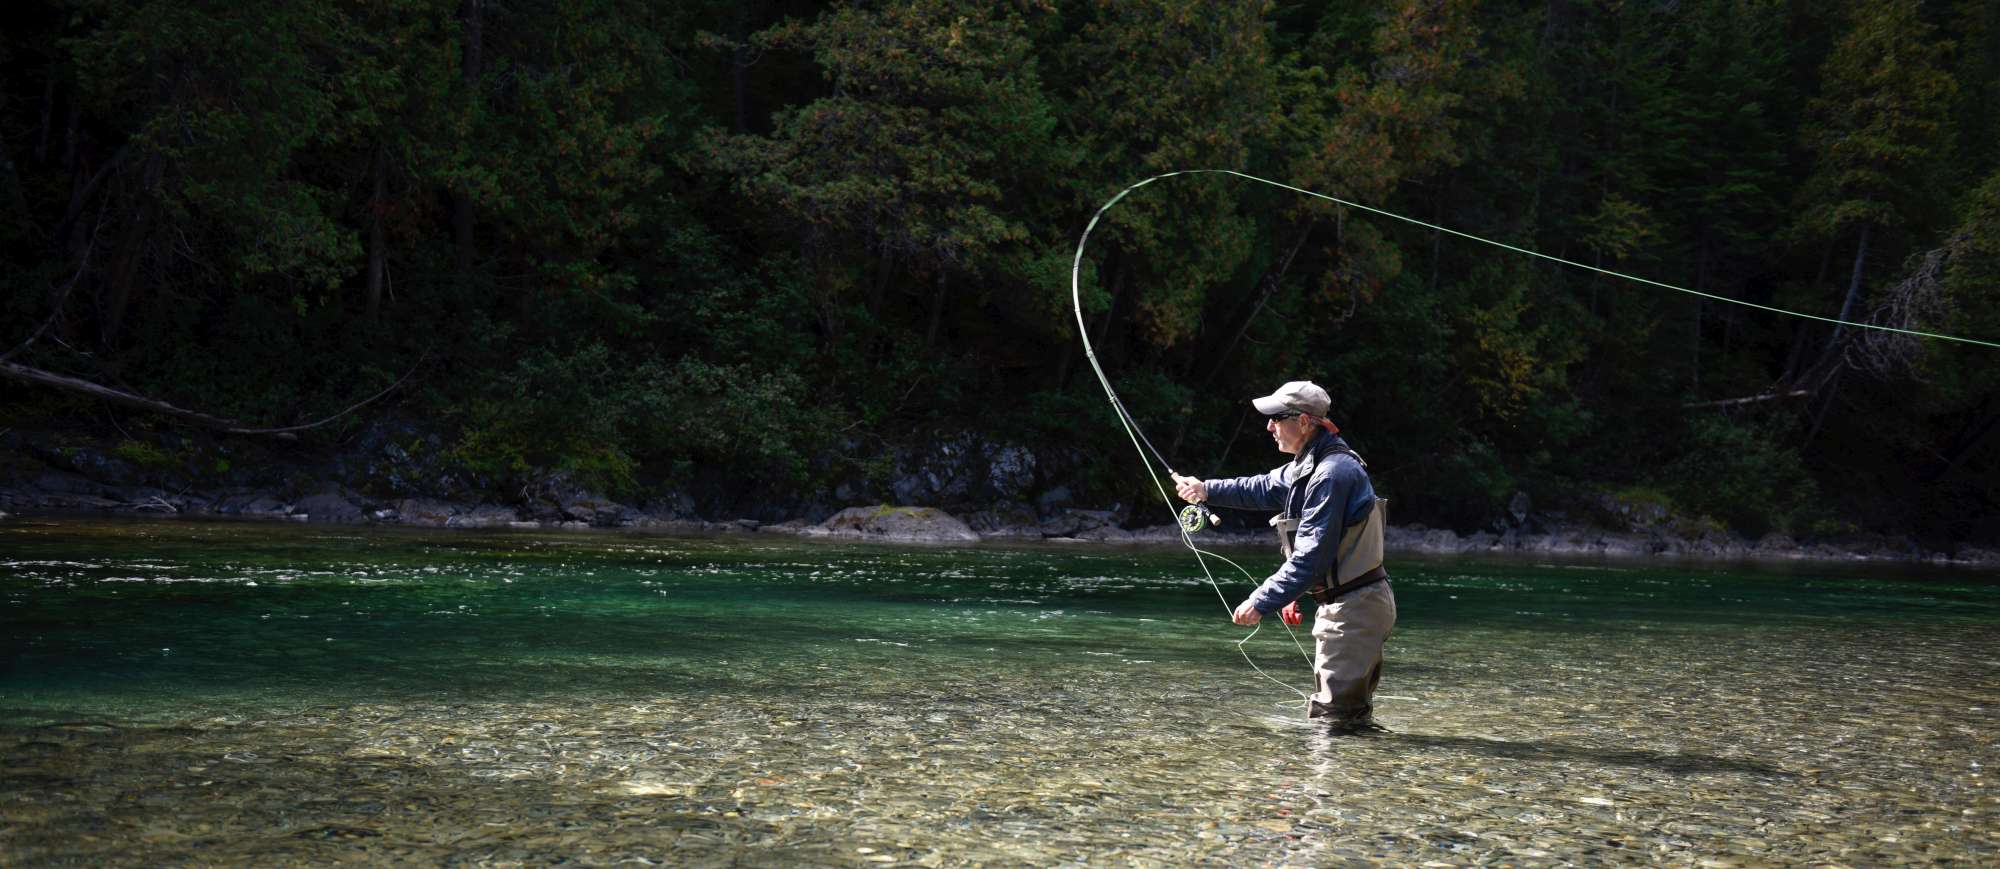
(59, 501)
(329, 507)
(895, 523)
(254, 505)
(593, 509)
(1977, 555)
(1627, 512)
(427, 512)
(485, 516)
(66, 483)
(65, 491)
(1775, 543)
(1053, 500)
(1519, 506)
(1106, 534)
(671, 505)
(665, 525)
(1077, 523)
(1010, 471)
(1442, 540)
(147, 499)
(1006, 521)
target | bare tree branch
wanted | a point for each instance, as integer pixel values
(1915, 300)
(27, 374)
(65, 382)
(1731, 402)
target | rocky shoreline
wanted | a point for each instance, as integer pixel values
(65, 493)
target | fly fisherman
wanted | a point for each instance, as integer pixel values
(1329, 526)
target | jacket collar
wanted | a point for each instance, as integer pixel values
(1316, 448)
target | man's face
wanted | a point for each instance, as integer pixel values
(1290, 434)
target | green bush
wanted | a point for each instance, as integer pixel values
(1740, 473)
(600, 419)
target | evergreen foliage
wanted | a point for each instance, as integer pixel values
(773, 242)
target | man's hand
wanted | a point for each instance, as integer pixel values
(1246, 614)
(1290, 614)
(1191, 489)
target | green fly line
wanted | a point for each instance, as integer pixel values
(1151, 456)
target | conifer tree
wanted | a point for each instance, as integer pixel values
(1877, 132)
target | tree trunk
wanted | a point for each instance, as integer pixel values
(473, 18)
(43, 130)
(130, 252)
(80, 196)
(937, 312)
(739, 66)
(1832, 387)
(878, 285)
(1853, 289)
(1437, 241)
(1110, 308)
(1270, 285)
(1068, 363)
(1267, 287)
(16, 198)
(71, 134)
(1223, 460)
(378, 254)
(1700, 285)
(1802, 339)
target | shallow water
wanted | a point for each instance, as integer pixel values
(255, 694)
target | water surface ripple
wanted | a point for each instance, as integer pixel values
(180, 692)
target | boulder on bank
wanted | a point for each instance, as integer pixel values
(485, 516)
(894, 523)
(256, 505)
(593, 509)
(426, 511)
(1008, 520)
(329, 507)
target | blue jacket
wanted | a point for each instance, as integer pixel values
(1326, 490)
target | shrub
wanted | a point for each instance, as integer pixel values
(1739, 473)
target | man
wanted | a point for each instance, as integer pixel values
(1330, 528)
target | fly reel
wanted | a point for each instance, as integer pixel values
(1196, 518)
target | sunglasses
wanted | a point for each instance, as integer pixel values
(1281, 417)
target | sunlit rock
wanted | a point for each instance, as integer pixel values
(894, 523)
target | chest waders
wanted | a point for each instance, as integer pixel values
(1348, 632)
(1357, 561)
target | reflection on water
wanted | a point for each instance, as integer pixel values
(180, 692)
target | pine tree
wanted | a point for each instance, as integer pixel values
(1877, 132)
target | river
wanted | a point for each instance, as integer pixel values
(259, 694)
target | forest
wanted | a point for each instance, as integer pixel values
(772, 247)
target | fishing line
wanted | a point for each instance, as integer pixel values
(1145, 446)
(1150, 455)
(1537, 254)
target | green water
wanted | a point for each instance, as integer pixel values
(257, 694)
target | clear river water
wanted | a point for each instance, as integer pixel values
(178, 692)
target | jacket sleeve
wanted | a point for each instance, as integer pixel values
(1321, 522)
(1255, 492)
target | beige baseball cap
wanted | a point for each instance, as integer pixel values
(1303, 396)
